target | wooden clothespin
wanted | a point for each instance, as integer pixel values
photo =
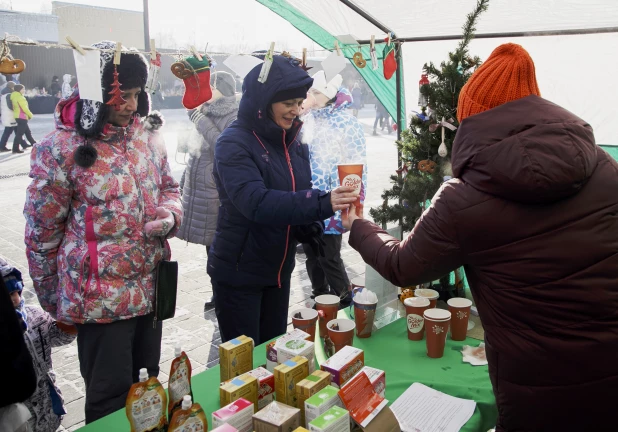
(195, 53)
(268, 61)
(75, 46)
(117, 53)
(372, 53)
(153, 50)
(337, 48)
(388, 41)
(304, 56)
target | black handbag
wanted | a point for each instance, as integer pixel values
(166, 289)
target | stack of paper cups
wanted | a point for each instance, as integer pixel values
(436, 325)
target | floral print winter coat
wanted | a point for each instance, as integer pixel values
(89, 258)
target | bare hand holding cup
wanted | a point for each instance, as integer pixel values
(352, 216)
(342, 197)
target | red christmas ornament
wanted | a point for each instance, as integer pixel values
(117, 100)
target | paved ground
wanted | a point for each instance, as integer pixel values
(196, 331)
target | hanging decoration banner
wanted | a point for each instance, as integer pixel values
(89, 74)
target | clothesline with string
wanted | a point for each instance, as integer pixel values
(173, 54)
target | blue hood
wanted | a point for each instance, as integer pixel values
(285, 74)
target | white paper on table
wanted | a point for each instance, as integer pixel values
(423, 409)
(242, 64)
(89, 75)
(333, 64)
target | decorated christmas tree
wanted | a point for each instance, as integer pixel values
(426, 145)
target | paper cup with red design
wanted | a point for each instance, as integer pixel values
(415, 307)
(352, 175)
(327, 306)
(305, 319)
(431, 294)
(460, 311)
(436, 327)
(341, 332)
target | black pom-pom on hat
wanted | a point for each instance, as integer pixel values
(85, 155)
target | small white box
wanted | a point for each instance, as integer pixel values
(335, 419)
(238, 414)
(288, 349)
(321, 402)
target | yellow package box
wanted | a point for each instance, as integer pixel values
(287, 375)
(244, 386)
(235, 357)
(300, 429)
(308, 387)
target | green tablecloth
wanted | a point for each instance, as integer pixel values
(403, 361)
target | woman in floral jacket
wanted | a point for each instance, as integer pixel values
(101, 203)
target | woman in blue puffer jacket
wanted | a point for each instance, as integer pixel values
(263, 179)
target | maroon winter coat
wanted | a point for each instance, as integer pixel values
(532, 215)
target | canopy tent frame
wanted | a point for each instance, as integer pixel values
(398, 41)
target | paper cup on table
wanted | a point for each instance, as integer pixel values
(415, 307)
(327, 306)
(352, 175)
(343, 334)
(364, 314)
(460, 312)
(430, 294)
(306, 322)
(436, 327)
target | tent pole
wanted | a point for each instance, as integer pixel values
(398, 92)
(571, 32)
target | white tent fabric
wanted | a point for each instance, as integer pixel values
(577, 72)
(412, 18)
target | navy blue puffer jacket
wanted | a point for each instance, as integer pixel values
(263, 178)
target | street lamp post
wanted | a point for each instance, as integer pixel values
(146, 27)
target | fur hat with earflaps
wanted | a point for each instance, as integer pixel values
(91, 116)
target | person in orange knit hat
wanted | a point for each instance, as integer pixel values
(507, 75)
(531, 215)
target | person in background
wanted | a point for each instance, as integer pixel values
(99, 210)
(200, 200)
(532, 215)
(18, 373)
(67, 89)
(8, 117)
(263, 178)
(22, 114)
(357, 98)
(383, 118)
(41, 333)
(55, 89)
(334, 136)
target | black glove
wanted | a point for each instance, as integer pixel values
(311, 235)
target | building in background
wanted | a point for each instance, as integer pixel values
(89, 24)
(29, 26)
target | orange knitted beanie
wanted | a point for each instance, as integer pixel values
(507, 75)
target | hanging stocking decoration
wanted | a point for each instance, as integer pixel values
(389, 62)
(117, 100)
(153, 74)
(196, 75)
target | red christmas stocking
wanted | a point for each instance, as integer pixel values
(389, 63)
(196, 76)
